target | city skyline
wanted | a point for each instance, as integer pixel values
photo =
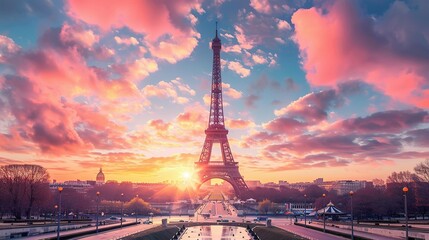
(331, 89)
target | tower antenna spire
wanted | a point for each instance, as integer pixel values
(216, 28)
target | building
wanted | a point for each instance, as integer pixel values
(271, 185)
(345, 186)
(283, 183)
(78, 185)
(100, 179)
(318, 181)
(253, 183)
(299, 208)
(301, 186)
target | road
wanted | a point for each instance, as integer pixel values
(304, 232)
(119, 233)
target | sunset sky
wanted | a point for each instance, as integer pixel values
(332, 89)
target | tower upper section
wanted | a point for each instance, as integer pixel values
(216, 44)
(216, 119)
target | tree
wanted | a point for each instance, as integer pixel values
(265, 206)
(402, 177)
(24, 186)
(138, 206)
(313, 192)
(378, 182)
(73, 201)
(422, 170)
(369, 202)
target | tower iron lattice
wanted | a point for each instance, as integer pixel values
(227, 169)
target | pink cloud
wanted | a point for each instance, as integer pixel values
(283, 25)
(7, 46)
(169, 90)
(262, 6)
(313, 107)
(43, 121)
(168, 26)
(159, 124)
(231, 92)
(86, 38)
(338, 145)
(232, 48)
(393, 121)
(154, 18)
(361, 50)
(272, 6)
(259, 139)
(39, 96)
(183, 87)
(60, 56)
(194, 119)
(207, 99)
(142, 67)
(126, 41)
(420, 137)
(239, 69)
(285, 125)
(242, 39)
(239, 123)
(258, 59)
(174, 49)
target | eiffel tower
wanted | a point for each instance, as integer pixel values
(227, 169)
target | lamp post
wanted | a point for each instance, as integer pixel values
(56, 210)
(96, 216)
(137, 198)
(324, 209)
(60, 190)
(405, 190)
(122, 207)
(305, 210)
(351, 211)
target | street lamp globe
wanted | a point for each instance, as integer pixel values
(405, 189)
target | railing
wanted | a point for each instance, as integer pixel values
(179, 233)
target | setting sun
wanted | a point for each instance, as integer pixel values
(186, 175)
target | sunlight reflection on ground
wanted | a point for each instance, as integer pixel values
(216, 232)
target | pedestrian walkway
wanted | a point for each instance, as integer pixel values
(356, 233)
(306, 232)
(82, 230)
(119, 233)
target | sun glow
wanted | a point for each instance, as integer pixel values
(186, 175)
(188, 179)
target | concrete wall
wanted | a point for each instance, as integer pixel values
(31, 231)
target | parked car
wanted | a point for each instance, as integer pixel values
(147, 222)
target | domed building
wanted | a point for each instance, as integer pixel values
(100, 177)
